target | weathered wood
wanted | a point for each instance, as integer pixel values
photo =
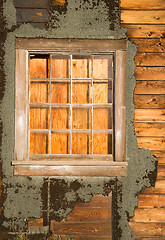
(69, 44)
(150, 87)
(151, 201)
(143, 17)
(31, 3)
(158, 153)
(150, 73)
(90, 214)
(149, 115)
(147, 229)
(150, 45)
(31, 15)
(144, 31)
(31, 170)
(35, 222)
(161, 161)
(157, 189)
(149, 215)
(150, 129)
(20, 106)
(150, 238)
(161, 172)
(152, 143)
(149, 101)
(150, 59)
(82, 237)
(140, 4)
(81, 228)
(120, 106)
(97, 201)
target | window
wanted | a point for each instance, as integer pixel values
(70, 107)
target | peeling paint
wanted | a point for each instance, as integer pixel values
(36, 197)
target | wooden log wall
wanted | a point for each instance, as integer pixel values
(145, 24)
(87, 221)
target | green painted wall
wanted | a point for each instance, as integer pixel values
(27, 197)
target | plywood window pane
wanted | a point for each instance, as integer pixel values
(102, 92)
(60, 118)
(102, 118)
(60, 143)
(102, 144)
(39, 118)
(81, 66)
(60, 92)
(81, 118)
(81, 144)
(81, 92)
(39, 92)
(39, 143)
(39, 65)
(102, 67)
(60, 66)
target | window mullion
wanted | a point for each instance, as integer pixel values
(50, 104)
(92, 105)
(71, 104)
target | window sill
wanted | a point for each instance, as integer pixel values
(70, 168)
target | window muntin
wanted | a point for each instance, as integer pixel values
(71, 103)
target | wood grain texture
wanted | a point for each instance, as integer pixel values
(31, 170)
(150, 45)
(158, 153)
(143, 17)
(150, 59)
(150, 73)
(31, 15)
(149, 215)
(91, 225)
(149, 115)
(140, 4)
(149, 101)
(161, 172)
(145, 31)
(158, 189)
(150, 129)
(147, 229)
(152, 143)
(150, 87)
(151, 201)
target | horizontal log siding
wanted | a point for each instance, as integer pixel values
(145, 24)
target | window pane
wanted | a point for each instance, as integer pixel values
(60, 92)
(39, 66)
(39, 92)
(60, 118)
(39, 118)
(39, 143)
(81, 66)
(102, 144)
(60, 66)
(81, 92)
(81, 118)
(102, 66)
(60, 143)
(102, 92)
(102, 118)
(81, 143)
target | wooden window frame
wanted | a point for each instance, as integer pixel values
(69, 165)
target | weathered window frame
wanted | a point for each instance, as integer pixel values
(70, 165)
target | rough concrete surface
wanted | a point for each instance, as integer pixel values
(27, 197)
